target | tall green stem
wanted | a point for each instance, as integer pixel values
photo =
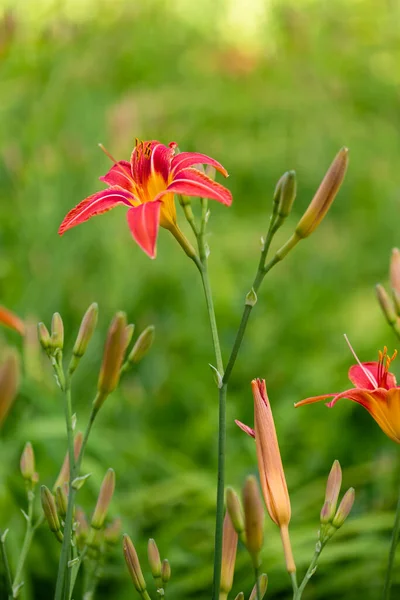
(297, 593)
(9, 584)
(30, 530)
(392, 552)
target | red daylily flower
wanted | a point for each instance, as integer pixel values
(147, 185)
(375, 389)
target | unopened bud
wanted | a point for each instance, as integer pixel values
(86, 330)
(254, 518)
(133, 564)
(129, 331)
(263, 583)
(285, 194)
(251, 298)
(57, 332)
(154, 561)
(344, 508)
(395, 271)
(324, 196)
(82, 526)
(235, 511)
(113, 356)
(63, 476)
(326, 514)
(112, 532)
(333, 486)
(165, 571)
(240, 596)
(9, 383)
(104, 499)
(229, 546)
(27, 463)
(386, 304)
(50, 512)
(44, 337)
(142, 345)
(62, 500)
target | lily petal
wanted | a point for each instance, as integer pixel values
(192, 182)
(95, 205)
(119, 174)
(144, 221)
(150, 158)
(359, 377)
(246, 428)
(313, 399)
(188, 159)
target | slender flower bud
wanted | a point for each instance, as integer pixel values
(82, 526)
(114, 351)
(86, 330)
(154, 561)
(104, 499)
(235, 510)
(50, 512)
(326, 514)
(27, 463)
(324, 196)
(386, 304)
(229, 547)
(129, 331)
(9, 383)
(333, 486)
(240, 596)
(344, 508)
(133, 564)
(263, 580)
(112, 532)
(285, 194)
(395, 271)
(44, 336)
(272, 476)
(254, 518)
(142, 345)
(57, 332)
(165, 571)
(62, 500)
(63, 476)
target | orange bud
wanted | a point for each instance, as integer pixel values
(395, 271)
(386, 304)
(112, 532)
(85, 333)
(63, 476)
(270, 468)
(104, 499)
(254, 518)
(9, 383)
(333, 486)
(10, 319)
(57, 332)
(113, 356)
(142, 345)
(344, 508)
(229, 547)
(324, 196)
(165, 571)
(133, 564)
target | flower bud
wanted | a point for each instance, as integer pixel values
(86, 330)
(114, 351)
(235, 510)
(44, 337)
(240, 596)
(142, 345)
(133, 564)
(165, 571)
(395, 271)
(386, 304)
(229, 547)
(104, 499)
(324, 196)
(129, 331)
(253, 518)
(333, 486)
(62, 500)
(9, 383)
(251, 298)
(285, 194)
(50, 512)
(263, 582)
(344, 508)
(326, 514)
(27, 463)
(57, 332)
(63, 476)
(82, 526)
(154, 561)
(112, 532)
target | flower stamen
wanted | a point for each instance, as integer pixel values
(368, 375)
(384, 362)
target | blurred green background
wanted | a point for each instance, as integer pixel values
(263, 87)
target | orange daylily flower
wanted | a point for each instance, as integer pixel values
(146, 185)
(376, 389)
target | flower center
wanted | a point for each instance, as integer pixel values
(384, 362)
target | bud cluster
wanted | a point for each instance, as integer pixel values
(331, 517)
(160, 569)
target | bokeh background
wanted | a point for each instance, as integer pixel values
(263, 86)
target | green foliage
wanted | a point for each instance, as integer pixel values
(317, 77)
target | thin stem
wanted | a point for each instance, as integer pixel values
(9, 584)
(294, 583)
(26, 543)
(392, 552)
(310, 572)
